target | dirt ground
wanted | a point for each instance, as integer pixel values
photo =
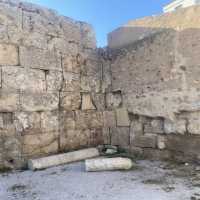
(148, 181)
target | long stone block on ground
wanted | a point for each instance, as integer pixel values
(60, 159)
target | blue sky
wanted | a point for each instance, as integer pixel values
(105, 15)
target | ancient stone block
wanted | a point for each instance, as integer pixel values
(88, 119)
(67, 120)
(113, 100)
(154, 126)
(50, 121)
(161, 142)
(87, 102)
(177, 126)
(70, 100)
(54, 80)
(27, 123)
(9, 55)
(109, 119)
(145, 141)
(25, 79)
(91, 83)
(96, 137)
(99, 101)
(40, 143)
(39, 101)
(106, 135)
(72, 63)
(71, 82)
(122, 117)
(9, 101)
(120, 136)
(136, 130)
(194, 126)
(40, 59)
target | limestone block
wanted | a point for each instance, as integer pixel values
(145, 141)
(72, 63)
(122, 117)
(91, 83)
(113, 100)
(109, 119)
(154, 126)
(71, 82)
(54, 80)
(177, 126)
(88, 38)
(194, 126)
(106, 135)
(39, 101)
(161, 142)
(108, 164)
(39, 59)
(136, 130)
(34, 145)
(27, 123)
(70, 100)
(91, 67)
(50, 121)
(25, 79)
(120, 136)
(96, 137)
(72, 139)
(99, 101)
(87, 102)
(106, 83)
(67, 120)
(60, 159)
(88, 119)
(9, 55)
(9, 101)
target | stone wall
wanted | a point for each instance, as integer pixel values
(51, 84)
(155, 84)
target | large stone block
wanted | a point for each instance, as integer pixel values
(136, 130)
(39, 101)
(113, 100)
(122, 117)
(87, 102)
(40, 144)
(24, 79)
(109, 119)
(71, 82)
(67, 120)
(54, 80)
(9, 55)
(40, 59)
(9, 101)
(154, 126)
(120, 136)
(70, 100)
(176, 126)
(27, 122)
(145, 141)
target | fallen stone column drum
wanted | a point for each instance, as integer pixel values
(60, 159)
(108, 164)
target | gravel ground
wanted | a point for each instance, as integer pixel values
(149, 181)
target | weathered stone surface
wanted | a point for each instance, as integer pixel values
(120, 136)
(136, 130)
(54, 80)
(122, 117)
(87, 102)
(71, 82)
(24, 79)
(113, 100)
(176, 126)
(107, 164)
(9, 55)
(39, 101)
(109, 119)
(39, 59)
(154, 126)
(9, 101)
(70, 100)
(60, 159)
(161, 142)
(145, 141)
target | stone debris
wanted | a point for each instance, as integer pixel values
(108, 164)
(61, 159)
